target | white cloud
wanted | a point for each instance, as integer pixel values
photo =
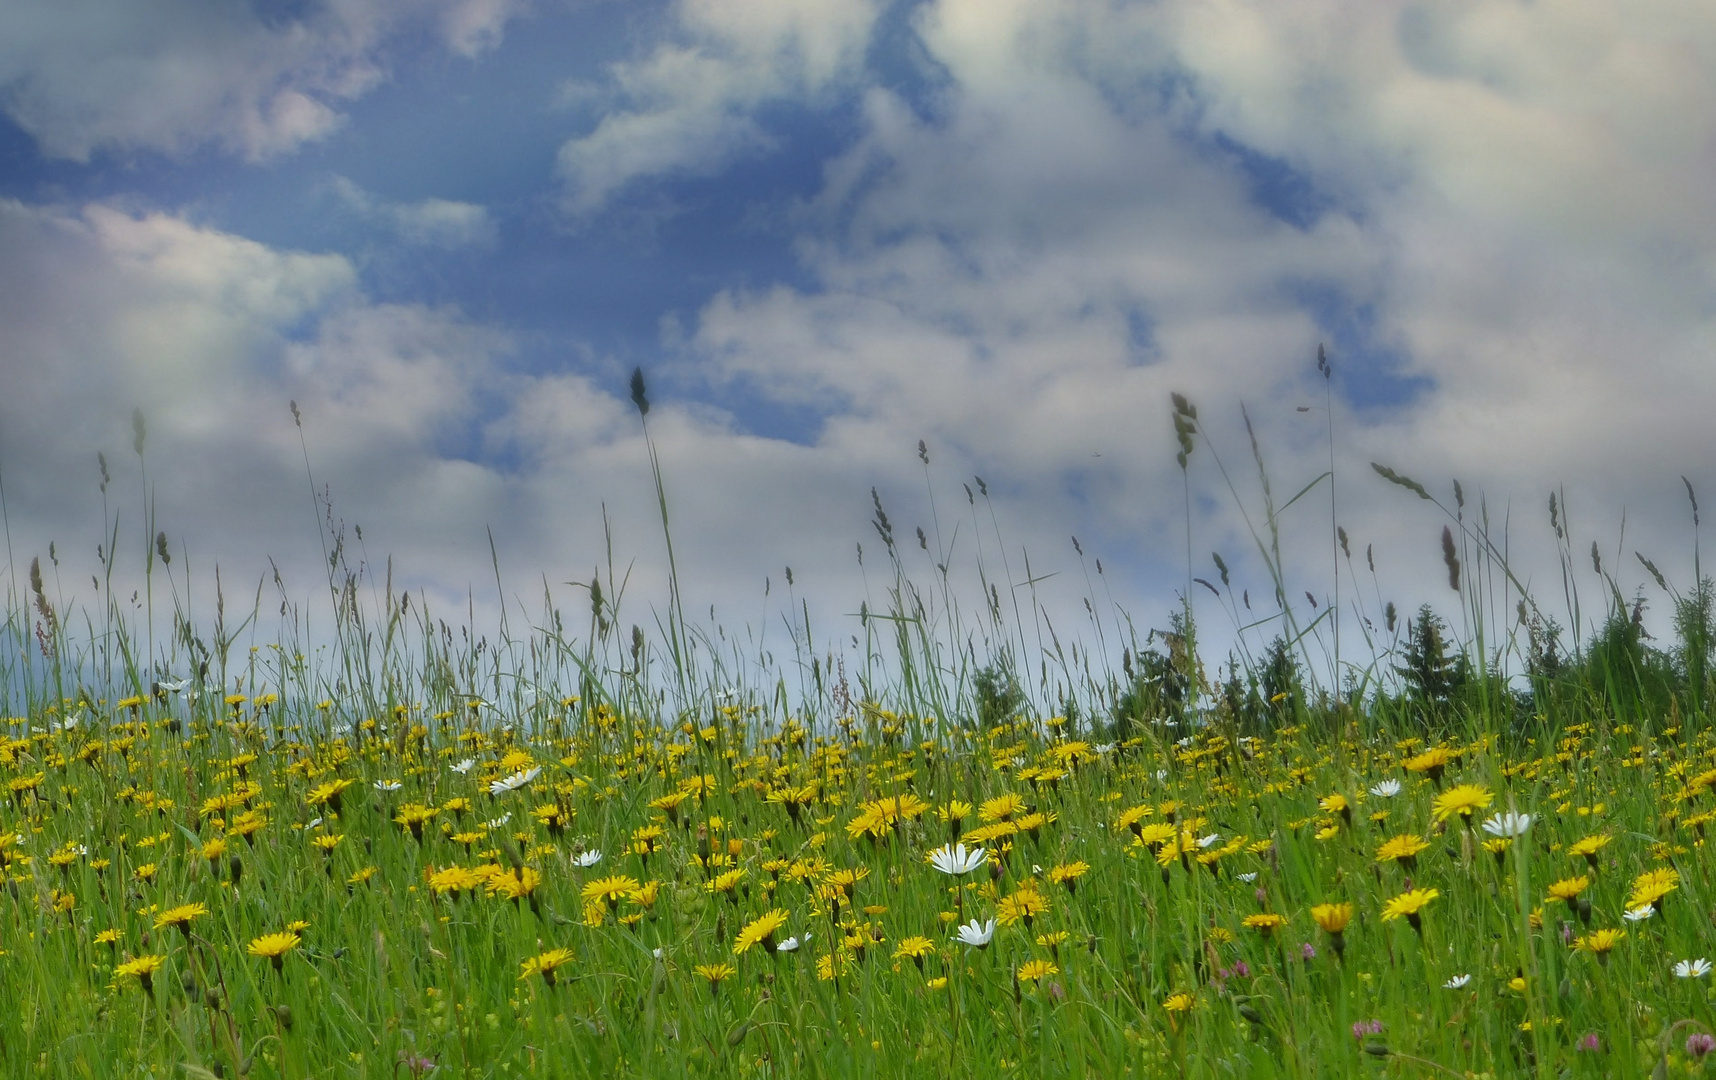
(436, 223)
(686, 107)
(178, 75)
(415, 420)
(1514, 195)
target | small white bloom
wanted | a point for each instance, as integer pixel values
(660, 954)
(464, 766)
(1206, 841)
(1638, 914)
(1386, 789)
(1509, 824)
(388, 785)
(1183, 743)
(789, 945)
(495, 823)
(1248, 878)
(172, 686)
(1692, 969)
(957, 859)
(977, 934)
(314, 822)
(586, 858)
(1104, 748)
(1457, 982)
(1161, 774)
(514, 782)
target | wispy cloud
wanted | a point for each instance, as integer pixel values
(178, 75)
(688, 108)
(436, 223)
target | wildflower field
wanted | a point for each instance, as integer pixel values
(421, 852)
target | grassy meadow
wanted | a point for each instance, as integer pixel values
(581, 849)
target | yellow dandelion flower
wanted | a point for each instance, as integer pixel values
(1463, 800)
(543, 964)
(760, 931)
(143, 969)
(1409, 904)
(180, 917)
(609, 890)
(274, 947)
(1404, 849)
(1568, 889)
(1033, 971)
(1265, 923)
(716, 974)
(1333, 918)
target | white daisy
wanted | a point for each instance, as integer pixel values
(957, 859)
(514, 782)
(1508, 825)
(464, 766)
(1386, 789)
(1638, 914)
(1692, 969)
(586, 858)
(1457, 982)
(977, 934)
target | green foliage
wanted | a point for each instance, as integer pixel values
(996, 694)
(1695, 626)
(1433, 670)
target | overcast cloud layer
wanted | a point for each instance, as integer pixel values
(828, 229)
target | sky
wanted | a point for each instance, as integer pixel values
(827, 230)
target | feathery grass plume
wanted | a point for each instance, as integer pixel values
(42, 604)
(1185, 425)
(1450, 558)
(1662, 582)
(1404, 481)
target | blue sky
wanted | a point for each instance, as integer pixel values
(829, 228)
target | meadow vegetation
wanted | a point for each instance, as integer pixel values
(1467, 842)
